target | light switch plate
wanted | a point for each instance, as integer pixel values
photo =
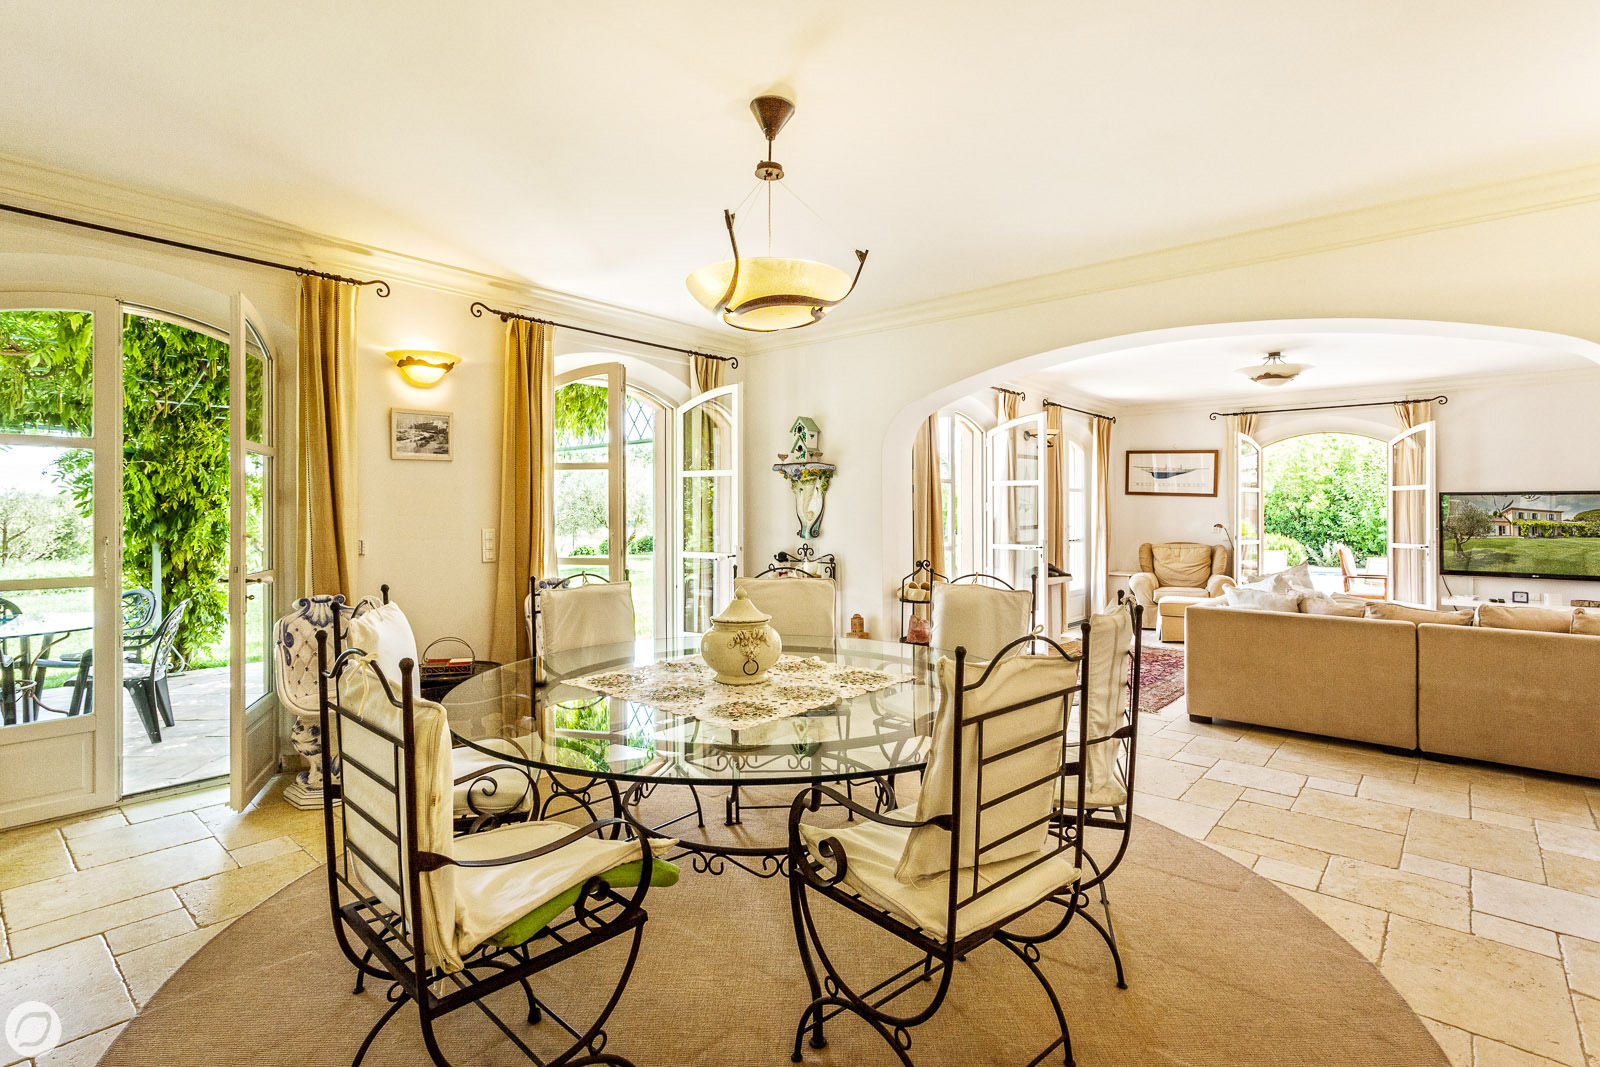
(488, 544)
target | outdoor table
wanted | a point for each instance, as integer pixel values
(24, 628)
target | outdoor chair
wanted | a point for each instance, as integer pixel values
(445, 921)
(978, 860)
(1352, 575)
(138, 635)
(146, 687)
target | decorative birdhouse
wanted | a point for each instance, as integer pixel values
(807, 439)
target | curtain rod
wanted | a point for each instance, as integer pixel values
(382, 287)
(1018, 393)
(479, 307)
(1068, 407)
(1440, 399)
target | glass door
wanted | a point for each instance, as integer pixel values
(60, 632)
(1018, 530)
(1413, 518)
(1249, 509)
(706, 507)
(591, 473)
(253, 732)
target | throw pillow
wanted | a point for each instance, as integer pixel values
(1405, 613)
(1295, 579)
(1249, 598)
(1326, 604)
(1586, 621)
(1526, 617)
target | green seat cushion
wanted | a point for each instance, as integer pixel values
(626, 876)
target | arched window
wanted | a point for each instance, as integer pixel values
(960, 446)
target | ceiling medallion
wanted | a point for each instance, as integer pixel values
(769, 293)
(1273, 371)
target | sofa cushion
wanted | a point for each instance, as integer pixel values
(1406, 613)
(1193, 592)
(1295, 579)
(1184, 563)
(1525, 617)
(1586, 621)
(1253, 599)
(1347, 607)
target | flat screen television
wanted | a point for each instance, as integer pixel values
(1520, 535)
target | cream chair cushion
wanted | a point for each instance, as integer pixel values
(1182, 563)
(983, 619)
(1166, 591)
(1106, 675)
(873, 852)
(1015, 679)
(800, 607)
(584, 616)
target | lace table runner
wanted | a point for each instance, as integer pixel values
(792, 686)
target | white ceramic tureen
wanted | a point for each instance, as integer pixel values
(741, 646)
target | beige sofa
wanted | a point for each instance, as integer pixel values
(1520, 697)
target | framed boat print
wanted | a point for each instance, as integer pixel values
(420, 435)
(1175, 472)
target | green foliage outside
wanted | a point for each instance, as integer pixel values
(175, 451)
(1277, 542)
(1328, 489)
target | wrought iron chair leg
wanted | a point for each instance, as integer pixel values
(534, 1014)
(1110, 938)
(361, 1053)
(429, 1041)
(361, 975)
(797, 906)
(1028, 954)
(593, 1040)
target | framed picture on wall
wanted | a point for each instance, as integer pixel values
(420, 434)
(1175, 472)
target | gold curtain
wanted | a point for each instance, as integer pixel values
(1100, 517)
(327, 432)
(927, 496)
(1005, 406)
(1409, 521)
(707, 373)
(527, 460)
(1248, 423)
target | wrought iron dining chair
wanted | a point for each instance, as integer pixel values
(447, 920)
(977, 861)
(979, 612)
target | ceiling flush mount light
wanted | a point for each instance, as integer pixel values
(768, 293)
(1274, 371)
(423, 368)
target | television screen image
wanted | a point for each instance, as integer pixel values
(1520, 535)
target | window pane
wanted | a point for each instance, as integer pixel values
(258, 616)
(1018, 520)
(46, 512)
(583, 511)
(707, 502)
(43, 637)
(257, 387)
(582, 422)
(47, 372)
(702, 595)
(707, 436)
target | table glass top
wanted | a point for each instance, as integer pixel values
(30, 624)
(560, 725)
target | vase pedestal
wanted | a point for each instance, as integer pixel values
(307, 790)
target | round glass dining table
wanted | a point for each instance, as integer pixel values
(667, 723)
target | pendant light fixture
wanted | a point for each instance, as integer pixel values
(769, 293)
(1273, 371)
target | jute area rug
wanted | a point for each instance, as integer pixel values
(1223, 969)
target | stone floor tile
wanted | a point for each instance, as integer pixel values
(1513, 853)
(1588, 1010)
(84, 1052)
(1183, 725)
(1194, 759)
(232, 893)
(1510, 932)
(1298, 855)
(1464, 773)
(1582, 959)
(1191, 820)
(1281, 801)
(147, 969)
(1447, 800)
(1508, 994)
(1298, 762)
(1572, 872)
(1399, 892)
(1358, 924)
(1255, 776)
(265, 850)
(34, 860)
(1233, 751)
(1158, 746)
(1210, 794)
(113, 843)
(78, 980)
(1489, 1053)
(1559, 910)
(1431, 868)
(1237, 855)
(1573, 840)
(1288, 873)
(238, 829)
(91, 824)
(1456, 1043)
(1348, 756)
(1334, 785)
(57, 898)
(1500, 818)
(1164, 778)
(1567, 806)
(1352, 809)
(1313, 831)
(149, 931)
(145, 810)
(92, 922)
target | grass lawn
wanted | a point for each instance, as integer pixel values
(1526, 555)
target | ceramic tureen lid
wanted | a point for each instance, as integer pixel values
(741, 609)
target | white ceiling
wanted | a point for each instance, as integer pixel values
(591, 147)
(1206, 370)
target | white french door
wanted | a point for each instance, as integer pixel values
(1249, 516)
(252, 701)
(60, 554)
(706, 507)
(1413, 517)
(591, 489)
(1018, 511)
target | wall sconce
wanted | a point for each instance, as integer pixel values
(423, 368)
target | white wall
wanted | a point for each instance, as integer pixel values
(1532, 271)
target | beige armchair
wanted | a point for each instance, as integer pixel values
(1178, 569)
